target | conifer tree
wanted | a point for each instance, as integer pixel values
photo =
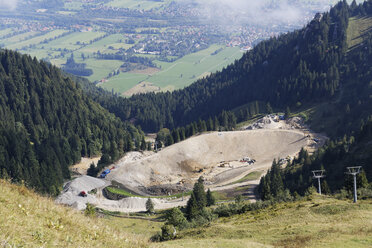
(200, 194)
(192, 208)
(210, 198)
(149, 206)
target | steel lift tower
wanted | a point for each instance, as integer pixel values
(354, 171)
(318, 174)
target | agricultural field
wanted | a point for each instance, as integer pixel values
(179, 73)
(18, 38)
(116, 41)
(135, 4)
(73, 41)
(123, 82)
(5, 32)
(37, 39)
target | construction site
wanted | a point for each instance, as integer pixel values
(223, 159)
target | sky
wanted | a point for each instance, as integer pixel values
(8, 4)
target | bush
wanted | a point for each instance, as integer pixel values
(365, 193)
(168, 232)
(176, 218)
(90, 210)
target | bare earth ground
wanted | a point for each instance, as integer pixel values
(82, 167)
(215, 156)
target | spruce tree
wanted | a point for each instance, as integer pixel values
(192, 208)
(210, 198)
(150, 206)
(199, 192)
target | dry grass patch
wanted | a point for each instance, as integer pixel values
(318, 222)
(29, 220)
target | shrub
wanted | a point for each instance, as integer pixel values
(90, 210)
(176, 218)
(168, 232)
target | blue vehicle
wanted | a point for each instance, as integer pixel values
(104, 173)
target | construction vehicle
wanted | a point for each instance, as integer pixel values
(83, 194)
(105, 173)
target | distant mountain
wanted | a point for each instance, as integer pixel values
(47, 123)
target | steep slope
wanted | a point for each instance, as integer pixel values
(29, 220)
(349, 114)
(47, 123)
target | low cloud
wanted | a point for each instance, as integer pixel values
(8, 4)
(252, 11)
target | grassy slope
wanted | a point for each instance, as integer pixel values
(320, 222)
(29, 220)
(356, 29)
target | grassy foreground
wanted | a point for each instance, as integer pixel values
(29, 220)
(319, 222)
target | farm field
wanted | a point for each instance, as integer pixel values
(135, 4)
(37, 40)
(179, 73)
(114, 40)
(5, 32)
(123, 82)
(73, 41)
(186, 70)
(101, 68)
(18, 38)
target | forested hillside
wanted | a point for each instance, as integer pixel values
(350, 113)
(47, 123)
(291, 70)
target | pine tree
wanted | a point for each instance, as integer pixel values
(169, 140)
(269, 109)
(276, 179)
(199, 192)
(143, 144)
(216, 124)
(210, 198)
(150, 206)
(325, 188)
(192, 208)
(287, 114)
(210, 126)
